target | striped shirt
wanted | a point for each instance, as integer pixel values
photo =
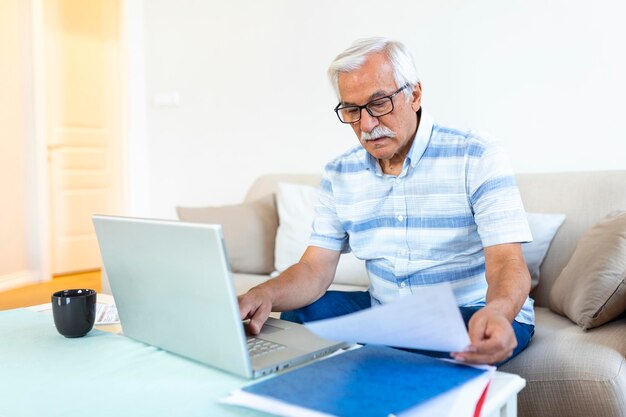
(456, 194)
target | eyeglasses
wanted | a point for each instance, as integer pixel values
(376, 108)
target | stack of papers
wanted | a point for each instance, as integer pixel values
(368, 382)
(377, 380)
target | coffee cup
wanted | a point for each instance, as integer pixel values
(74, 311)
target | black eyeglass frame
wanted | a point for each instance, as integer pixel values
(365, 106)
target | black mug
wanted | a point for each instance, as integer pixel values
(74, 311)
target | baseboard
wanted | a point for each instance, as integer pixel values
(17, 279)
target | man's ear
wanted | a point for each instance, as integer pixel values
(416, 101)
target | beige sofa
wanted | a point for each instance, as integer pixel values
(569, 372)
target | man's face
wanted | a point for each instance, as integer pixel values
(374, 80)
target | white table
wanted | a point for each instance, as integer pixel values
(501, 398)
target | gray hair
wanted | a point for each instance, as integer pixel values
(353, 58)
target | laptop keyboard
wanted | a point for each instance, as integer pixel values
(260, 347)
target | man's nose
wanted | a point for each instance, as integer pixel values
(367, 121)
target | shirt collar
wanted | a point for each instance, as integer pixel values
(422, 137)
(420, 142)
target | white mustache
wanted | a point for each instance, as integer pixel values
(377, 133)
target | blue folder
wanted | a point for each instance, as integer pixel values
(370, 381)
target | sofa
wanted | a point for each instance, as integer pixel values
(572, 369)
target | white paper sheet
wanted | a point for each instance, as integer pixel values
(458, 402)
(429, 319)
(105, 313)
(269, 405)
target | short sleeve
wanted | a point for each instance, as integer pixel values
(495, 199)
(328, 232)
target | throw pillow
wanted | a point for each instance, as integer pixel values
(543, 228)
(296, 210)
(254, 221)
(591, 289)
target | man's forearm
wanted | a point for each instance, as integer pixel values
(296, 287)
(508, 281)
(302, 283)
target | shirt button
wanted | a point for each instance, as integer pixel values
(400, 218)
(403, 284)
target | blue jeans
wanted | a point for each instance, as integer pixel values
(338, 303)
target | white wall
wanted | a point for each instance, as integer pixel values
(547, 78)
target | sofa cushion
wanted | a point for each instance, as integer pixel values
(584, 197)
(253, 221)
(570, 372)
(543, 227)
(591, 289)
(296, 210)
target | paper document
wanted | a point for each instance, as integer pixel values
(106, 314)
(454, 403)
(428, 319)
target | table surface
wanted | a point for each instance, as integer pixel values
(503, 387)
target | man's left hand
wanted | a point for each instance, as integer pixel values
(491, 336)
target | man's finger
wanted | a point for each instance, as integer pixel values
(490, 343)
(481, 358)
(245, 307)
(479, 353)
(256, 325)
(477, 330)
(258, 319)
(494, 343)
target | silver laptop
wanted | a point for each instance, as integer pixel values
(173, 289)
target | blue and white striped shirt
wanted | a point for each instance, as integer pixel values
(456, 194)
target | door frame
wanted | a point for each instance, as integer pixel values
(136, 200)
(41, 198)
(134, 192)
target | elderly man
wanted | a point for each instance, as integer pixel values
(421, 203)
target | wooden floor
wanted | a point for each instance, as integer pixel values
(34, 294)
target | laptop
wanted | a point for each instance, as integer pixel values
(173, 289)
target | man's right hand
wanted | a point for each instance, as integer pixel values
(298, 286)
(255, 305)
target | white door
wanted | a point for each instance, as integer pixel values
(83, 130)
